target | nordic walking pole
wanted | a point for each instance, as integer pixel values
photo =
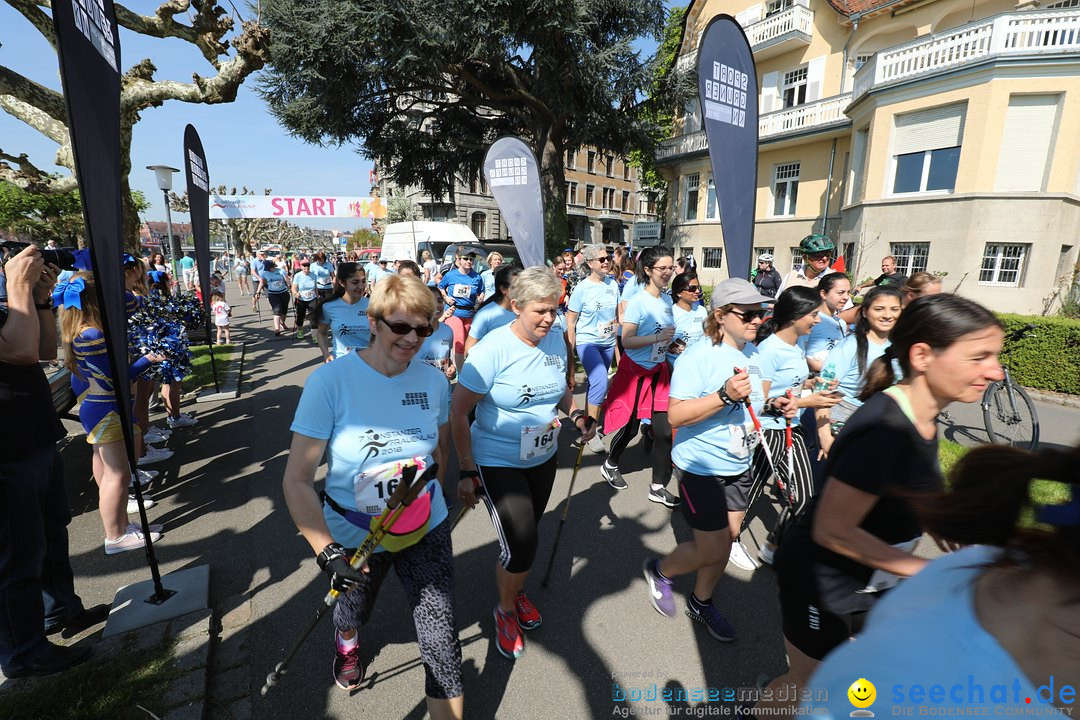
(465, 508)
(789, 449)
(758, 487)
(402, 497)
(566, 508)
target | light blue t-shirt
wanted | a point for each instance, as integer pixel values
(275, 281)
(721, 444)
(488, 318)
(305, 286)
(322, 272)
(630, 289)
(369, 420)
(521, 387)
(843, 357)
(784, 365)
(437, 348)
(187, 263)
(926, 652)
(349, 324)
(651, 315)
(488, 276)
(825, 336)
(373, 271)
(595, 303)
(689, 327)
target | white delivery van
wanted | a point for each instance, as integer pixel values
(409, 239)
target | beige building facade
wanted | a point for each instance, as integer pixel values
(943, 132)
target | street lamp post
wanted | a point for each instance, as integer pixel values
(164, 175)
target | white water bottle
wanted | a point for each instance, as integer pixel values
(826, 378)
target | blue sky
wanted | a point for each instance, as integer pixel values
(244, 144)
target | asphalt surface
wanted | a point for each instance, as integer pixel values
(221, 502)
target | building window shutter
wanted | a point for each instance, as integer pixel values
(932, 129)
(770, 92)
(1025, 144)
(815, 76)
(749, 16)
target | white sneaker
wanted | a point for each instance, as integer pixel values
(154, 455)
(161, 430)
(740, 558)
(766, 554)
(130, 540)
(133, 504)
(154, 528)
(154, 437)
(597, 444)
(181, 420)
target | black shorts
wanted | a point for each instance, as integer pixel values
(809, 627)
(737, 491)
(704, 499)
(279, 303)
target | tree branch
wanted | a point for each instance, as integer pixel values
(31, 178)
(210, 24)
(30, 10)
(26, 90)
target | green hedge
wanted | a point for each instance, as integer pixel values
(1048, 358)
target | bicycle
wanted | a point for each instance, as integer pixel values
(1008, 412)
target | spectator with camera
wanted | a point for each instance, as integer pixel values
(37, 590)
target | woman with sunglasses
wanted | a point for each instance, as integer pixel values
(710, 387)
(323, 272)
(344, 314)
(305, 293)
(590, 327)
(689, 314)
(849, 361)
(516, 381)
(639, 390)
(348, 411)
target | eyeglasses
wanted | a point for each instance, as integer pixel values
(692, 288)
(602, 259)
(404, 329)
(661, 268)
(749, 316)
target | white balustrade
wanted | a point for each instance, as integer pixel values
(804, 117)
(795, 19)
(1010, 34)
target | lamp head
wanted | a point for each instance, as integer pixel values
(164, 175)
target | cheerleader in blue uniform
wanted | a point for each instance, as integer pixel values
(88, 360)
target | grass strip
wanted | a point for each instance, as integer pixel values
(202, 374)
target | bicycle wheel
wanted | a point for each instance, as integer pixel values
(1008, 423)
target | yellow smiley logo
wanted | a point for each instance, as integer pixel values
(862, 693)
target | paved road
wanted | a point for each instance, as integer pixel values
(221, 502)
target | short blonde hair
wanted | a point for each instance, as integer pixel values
(491, 256)
(534, 284)
(401, 292)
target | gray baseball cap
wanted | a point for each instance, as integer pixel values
(736, 291)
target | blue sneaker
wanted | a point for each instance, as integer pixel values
(659, 589)
(707, 614)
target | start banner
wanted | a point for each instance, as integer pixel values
(225, 207)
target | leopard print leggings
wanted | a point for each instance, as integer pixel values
(426, 574)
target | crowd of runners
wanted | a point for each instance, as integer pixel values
(780, 386)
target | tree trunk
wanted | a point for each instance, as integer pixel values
(129, 218)
(553, 191)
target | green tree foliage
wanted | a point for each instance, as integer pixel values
(45, 216)
(427, 87)
(400, 209)
(364, 238)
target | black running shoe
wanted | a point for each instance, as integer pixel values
(613, 476)
(663, 497)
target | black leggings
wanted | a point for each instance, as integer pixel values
(516, 499)
(798, 481)
(426, 571)
(661, 452)
(301, 311)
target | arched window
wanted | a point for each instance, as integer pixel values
(479, 225)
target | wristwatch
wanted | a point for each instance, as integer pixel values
(724, 397)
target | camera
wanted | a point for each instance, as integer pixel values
(61, 257)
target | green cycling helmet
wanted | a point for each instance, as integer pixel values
(815, 244)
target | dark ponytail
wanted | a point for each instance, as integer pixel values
(862, 325)
(936, 320)
(989, 502)
(503, 277)
(794, 303)
(647, 259)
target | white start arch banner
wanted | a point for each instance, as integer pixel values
(225, 207)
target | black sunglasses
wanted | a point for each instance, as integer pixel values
(692, 288)
(749, 316)
(404, 329)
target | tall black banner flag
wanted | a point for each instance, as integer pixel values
(514, 178)
(728, 90)
(88, 43)
(198, 187)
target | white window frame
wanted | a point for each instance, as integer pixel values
(712, 258)
(759, 251)
(786, 174)
(924, 177)
(861, 59)
(796, 81)
(712, 205)
(590, 162)
(798, 261)
(590, 195)
(911, 257)
(571, 192)
(626, 201)
(999, 254)
(571, 159)
(775, 7)
(691, 185)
